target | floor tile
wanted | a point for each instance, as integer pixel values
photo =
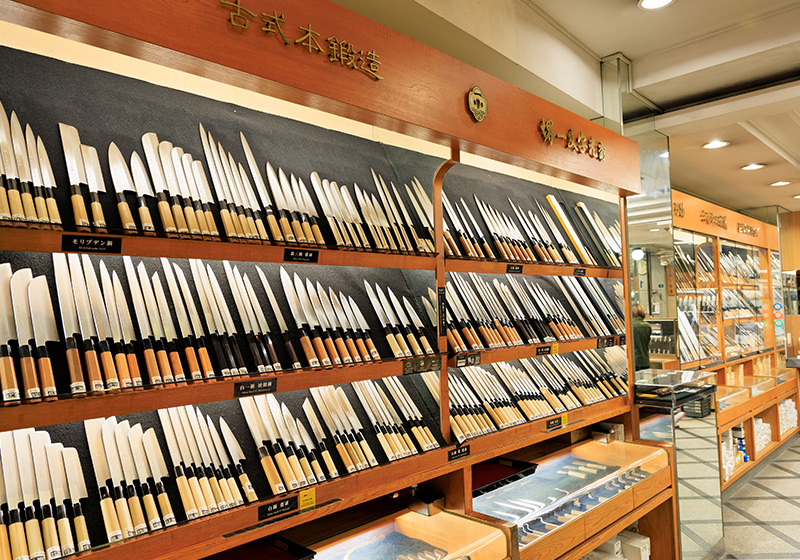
(767, 510)
(755, 540)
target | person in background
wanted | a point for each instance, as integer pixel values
(641, 338)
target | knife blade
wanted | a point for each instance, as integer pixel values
(184, 161)
(248, 319)
(183, 320)
(219, 481)
(240, 176)
(204, 191)
(311, 210)
(23, 169)
(198, 460)
(325, 329)
(116, 477)
(263, 445)
(343, 426)
(58, 479)
(310, 450)
(284, 453)
(154, 317)
(36, 176)
(16, 515)
(403, 322)
(393, 338)
(291, 207)
(169, 207)
(197, 326)
(311, 319)
(293, 439)
(215, 292)
(27, 480)
(121, 357)
(213, 318)
(300, 319)
(333, 195)
(188, 485)
(280, 205)
(143, 189)
(266, 202)
(225, 463)
(101, 322)
(327, 211)
(49, 184)
(129, 476)
(356, 318)
(224, 209)
(159, 470)
(137, 460)
(17, 213)
(8, 332)
(123, 182)
(343, 446)
(5, 180)
(44, 331)
(353, 339)
(237, 457)
(22, 321)
(176, 180)
(170, 335)
(261, 319)
(236, 212)
(94, 178)
(319, 434)
(276, 310)
(302, 209)
(344, 342)
(126, 325)
(347, 410)
(145, 335)
(349, 207)
(246, 219)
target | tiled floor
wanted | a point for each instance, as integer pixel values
(762, 510)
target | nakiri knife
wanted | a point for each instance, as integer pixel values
(126, 324)
(58, 480)
(129, 477)
(123, 356)
(354, 339)
(280, 205)
(49, 183)
(266, 202)
(153, 359)
(142, 472)
(393, 338)
(300, 320)
(224, 464)
(261, 319)
(220, 482)
(162, 352)
(8, 332)
(276, 311)
(101, 322)
(344, 340)
(69, 321)
(44, 330)
(170, 335)
(123, 182)
(176, 182)
(237, 456)
(183, 169)
(143, 189)
(197, 326)
(159, 471)
(319, 434)
(357, 319)
(94, 179)
(116, 479)
(22, 320)
(231, 232)
(27, 481)
(39, 200)
(246, 316)
(200, 459)
(203, 191)
(191, 495)
(16, 515)
(77, 492)
(196, 476)
(184, 325)
(23, 170)
(284, 453)
(333, 342)
(263, 445)
(169, 207)
(308, 317)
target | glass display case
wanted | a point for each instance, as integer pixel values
(756, 385)
(778, 304)
(443, 535)
(728, 396)
(782, 375)
(572, 484)
(672, 389)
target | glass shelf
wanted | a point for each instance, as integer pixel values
(728, 396)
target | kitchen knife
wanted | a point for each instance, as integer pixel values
(94, 178)
(8, 332)
(44, 492)
(123, 182)
(44, 331)
(23, 170)
(36, 176)
(159, 472)
(138, 457)
(22, 320)
(58, 479)
(77, 492)
(49, 183)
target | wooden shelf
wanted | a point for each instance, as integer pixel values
(49, 241)
(72, 409)
(535, 269)
(495, 355)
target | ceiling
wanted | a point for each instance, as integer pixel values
(715, 69)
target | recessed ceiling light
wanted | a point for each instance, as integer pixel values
(779, 184)
(654, 4)
(714, 144)
(656, 229)
(752, 167)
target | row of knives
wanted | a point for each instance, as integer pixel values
(484, 400)
(527, 239)
(280, 209)
(99, 330)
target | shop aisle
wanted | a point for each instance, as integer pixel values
(762, 511)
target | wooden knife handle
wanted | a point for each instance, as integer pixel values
(167, 515)
(125, 214)
(307, 232)
(208, 495)
(197, 495)
(163, 365)
(311, 356)
(286, 228)
(175, 363)
(367, 451)
(77, 385)
(233, 489)
(268, 465)
(371, 347)
(425, 344)
(5, 210)
(98, 218)
(227, 224)
(223, 484)
(191, 219)
(28, 206)
(344, 455)
(273, 226)
(308, 472)
(124, 515)
(333, 472)
(354, 352)
(342, 350)
(166, 214)
(315, 466)
(413, 344)
(287, 342)
(319, 348)
(294, 462)
(110, 520)
(109, 369)
(41, 206)
(137, 515)
(52, 549)
(241, 366)
(252, 231)
(30, 384)
(191, 360)
(177, 215)
(392, 341)
(15, 202)
(256, 353)
(299, 236)
(236, 221)
(145, 217)
(48, 382)
(212, 223)
(151, 363)
(200, 216)
(121, 364)
(5, 545)
(52, 208)
(355, 452)
(362, 349)
(216, 493)
(287, 472)
(331, 349)
(247, 486)
(65, 538)
(16, 538)
(205, 361)
(132, 363)
(8, 376)
(401, 343)
(153, 520)
(92, 367)
(262, 231)
(81, 531)
(316, 232)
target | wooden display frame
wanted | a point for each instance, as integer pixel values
(146, 29)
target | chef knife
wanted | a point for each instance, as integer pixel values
(123, 182)
(23, 170)
(49, 182)
(36, 176)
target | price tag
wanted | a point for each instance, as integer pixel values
(91, 244)
(544, 350)
(579, 272)
(442, 309)
(622, 340)
(418, 365)
(255, 387)
(605, 342)
(308, 498)
(277, 508)
(458, 453)
(554, 423)
(464, 360)
(301, 255)
(514, 269)
(555, 348)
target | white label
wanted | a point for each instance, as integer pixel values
(85, 545)
(140, 529)
(169, 379)
(212, 508)
(22, 558)
(225, 372)
(334, 473)
(170, 520)
(77, 387)
(97, 386)
(179, 377)
(156, 380)
(351, 469)
(197, 375)
(203, 511)
(314, 363)
(191, 514)
(262, 369)
(348, 360)
(137, 382)
(374, 354)
(155, 524)
(281, 488)
(312, 479)
(113, 383)
(210, 374)
(326, 361)
(222, 506)
(38, 555)
(248, 488)
(67, 550)
(232, 504)
(115, 536)
(130, 532)
(11, 394)
(34, 394)
(127, 383)
(277, 367)
(243, 371)
(373, 462)
(321, 477)
(54, 552)
(50, 392)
